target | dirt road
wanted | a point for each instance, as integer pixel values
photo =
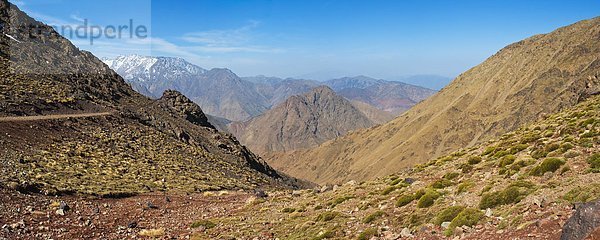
(51, 117)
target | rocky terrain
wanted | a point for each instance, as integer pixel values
(133, 145)
(519, 84)
(526, 184)
(301, 122)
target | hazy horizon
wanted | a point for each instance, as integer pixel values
(317, 39)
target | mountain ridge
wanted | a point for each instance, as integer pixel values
(522, 82)
(302, 121)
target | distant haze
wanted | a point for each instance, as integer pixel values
(318, 39)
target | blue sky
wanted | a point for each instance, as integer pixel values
(318, 39)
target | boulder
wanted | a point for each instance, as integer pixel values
(584, 221)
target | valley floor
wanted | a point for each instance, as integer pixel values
(24, 216)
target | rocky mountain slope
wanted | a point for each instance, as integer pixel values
(521, 83)
(219, 92)
(137, 145)
(526, 184)
(302, 121)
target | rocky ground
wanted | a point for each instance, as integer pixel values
(167, 216)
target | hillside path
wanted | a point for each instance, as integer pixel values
(52, 117)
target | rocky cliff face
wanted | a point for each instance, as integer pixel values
(302, 121)
(521, 83)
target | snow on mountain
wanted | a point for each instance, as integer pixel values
(142, 68)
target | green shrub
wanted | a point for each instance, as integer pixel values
(518, 148)
(428, 199)
(466, 168)
(442, 183)
(448, 214)
(404, 200)
(468, 217)
(474, 160)
(539, 153)
(203, 223)
(463, 187)
(419, 193)
(548, 165)
(326, 216)
(488, 151)
(325, 235)
(373, 216)
(340, 200)
(518, 165)
(500, 154)
(288, 210)
(451, 175)
(388, 190)
(507, 160)
(594, 161)
(367, 234)
(565, 169)
(552, 147)
(586, 142)
(529, 138)
(583, 194)
(395, 181)
(566, 147)
(510, 195)
(571, 154)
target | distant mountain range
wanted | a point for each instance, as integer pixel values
(223, 94)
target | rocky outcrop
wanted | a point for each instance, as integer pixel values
(181, 106)
(584, 221)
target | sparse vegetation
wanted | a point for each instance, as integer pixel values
(448, 214)
(326, 216)
(153, 233)
(442, 183)
(404, 200)
(474, 160)
(373, 216)
(367, 234)
(428, 199)
(325, 235)
(464, 187)
(583, 193)
(548, 165)
(467, 217)
(512, 194)
(594, 162)
(203, 223)
(340, 200)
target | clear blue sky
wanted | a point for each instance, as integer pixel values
(319, 38)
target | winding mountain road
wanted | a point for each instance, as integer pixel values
(52, 117)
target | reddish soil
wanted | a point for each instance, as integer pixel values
(24, 216)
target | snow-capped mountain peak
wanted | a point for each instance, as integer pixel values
(136, 68)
